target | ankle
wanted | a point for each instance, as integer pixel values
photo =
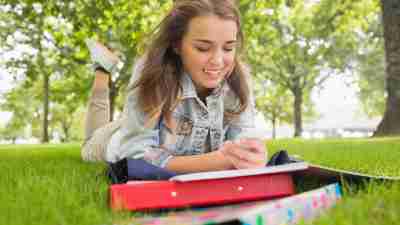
(101, 80)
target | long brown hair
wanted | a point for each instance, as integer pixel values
(162, 67)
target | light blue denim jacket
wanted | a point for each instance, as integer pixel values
(198, 127)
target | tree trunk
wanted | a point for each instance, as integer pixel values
(298, 101)
(390, 124)
(273, 127)
(112, 97)
(45, 134)
(42, 70)
(65, 127)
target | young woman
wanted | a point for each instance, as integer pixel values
(189, 100)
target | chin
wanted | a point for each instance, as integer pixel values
(213, 84)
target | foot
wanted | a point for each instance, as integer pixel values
(103, 57)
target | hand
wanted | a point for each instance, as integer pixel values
(245, 153)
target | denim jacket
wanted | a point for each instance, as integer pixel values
(198, 127)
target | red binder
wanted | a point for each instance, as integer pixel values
(204, 189)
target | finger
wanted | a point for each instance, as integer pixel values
(240, 161)
(237, 162)
(226, 146)
(242, 164)
(239, 152)
(254, 144)
(244, 154)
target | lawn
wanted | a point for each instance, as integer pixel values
(49, 184)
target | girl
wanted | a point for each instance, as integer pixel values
(189, 99)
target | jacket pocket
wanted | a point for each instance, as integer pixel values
(176, 134)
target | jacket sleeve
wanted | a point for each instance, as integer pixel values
(133, 139)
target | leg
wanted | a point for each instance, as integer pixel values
(98, 112)
(97, 119)
(98, 129)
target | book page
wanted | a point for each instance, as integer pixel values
(242, 172)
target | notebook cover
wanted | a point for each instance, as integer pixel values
(144, 195)
(291, 210)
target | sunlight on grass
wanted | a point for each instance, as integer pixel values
(378, 156)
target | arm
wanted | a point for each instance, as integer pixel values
(211, 161)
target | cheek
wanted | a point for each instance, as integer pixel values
(195, 59)
(229, 61)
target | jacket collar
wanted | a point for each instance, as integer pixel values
(189, 89)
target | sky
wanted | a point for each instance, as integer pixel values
(337, 100)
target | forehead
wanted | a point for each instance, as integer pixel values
(211, 28)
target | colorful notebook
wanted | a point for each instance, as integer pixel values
(289, 210)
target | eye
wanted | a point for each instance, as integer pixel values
(228, 49)
(202, 49)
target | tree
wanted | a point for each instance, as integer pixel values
(122, 25)
(25, 107)
(371, 69)
(275, 103)
(56, 31)
(291, 52)
(301, 50)
(31, 23)
(390, 124)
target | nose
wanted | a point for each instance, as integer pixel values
(217, 58)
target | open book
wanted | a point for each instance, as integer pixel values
(240, 173)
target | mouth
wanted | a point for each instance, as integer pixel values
(213, 73)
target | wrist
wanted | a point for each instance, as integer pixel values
(224, 161)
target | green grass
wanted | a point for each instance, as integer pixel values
(49, 184)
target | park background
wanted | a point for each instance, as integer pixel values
(323, 71)
(319, 67)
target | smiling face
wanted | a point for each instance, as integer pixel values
(207, 51)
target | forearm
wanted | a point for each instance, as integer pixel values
(199, 163)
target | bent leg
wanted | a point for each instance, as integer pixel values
(97, 118)
(94, 149)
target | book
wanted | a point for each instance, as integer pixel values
(291, 167)
(290, 210)
(206, 188)
(320, 174)
(324, 174)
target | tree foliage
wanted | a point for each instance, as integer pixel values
(299, 50)
(55, 32)
(291, 45)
